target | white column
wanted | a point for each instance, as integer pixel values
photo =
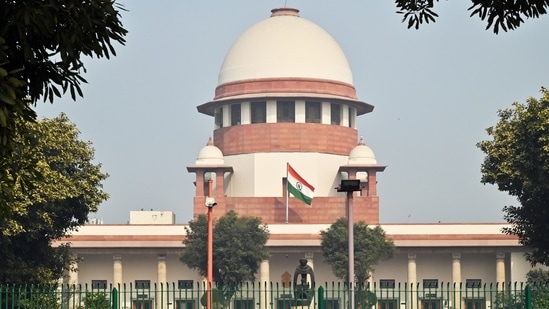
(117, 269)
(309, 256)
(161, 280)
(344, 115)
(271, 111)
(326, 113)
(412, 280)
(245, 113)
(265, 284)
(73, 272)
(161, 272)
(456, 269)
(226, 116)
(299, 111)
(370, 281)
(500, 269)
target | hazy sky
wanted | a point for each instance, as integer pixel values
(434, 90)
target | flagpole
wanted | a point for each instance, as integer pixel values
(287, 191)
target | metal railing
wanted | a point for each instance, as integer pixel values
(191, 295)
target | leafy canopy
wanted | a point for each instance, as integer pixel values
(517, 161)
(42, 47)
(498, 14)
(59, 186)
(370, 246)
(238, 247)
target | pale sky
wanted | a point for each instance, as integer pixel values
(435, 91)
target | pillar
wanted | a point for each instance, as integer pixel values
(73, 271)
(412, 281)
(265, 284)
(456, 269)
(162, 282)
(309, 256)
(117, 269)
(500, 269)
(161, 269)
(199, 183)
(219, 183)
(372, 183)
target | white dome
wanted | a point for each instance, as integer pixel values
(285, 45)
(210, 155)
(362, 155)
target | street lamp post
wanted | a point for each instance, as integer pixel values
(349, 186)
(210, 203)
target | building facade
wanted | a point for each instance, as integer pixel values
(285, 94)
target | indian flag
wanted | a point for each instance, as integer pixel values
(299, 187)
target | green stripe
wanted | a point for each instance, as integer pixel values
(299, 195)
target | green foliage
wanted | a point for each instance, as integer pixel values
(48, 38)
(238, 248)
(364, 298)
(57, 186)
(96, 300)
(42, 296)
(537, 276)
(370, 247)
(42, 47)
(217, 298)
(517, 161)
(500, 14)
(538, 280)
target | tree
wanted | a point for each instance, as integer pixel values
(517, 161)
(499, 14)
(238, 248)
(537, 276)
(42, 46)
(538, 279)
(370, 246)
(58, 186)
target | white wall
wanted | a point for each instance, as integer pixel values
(260, 174)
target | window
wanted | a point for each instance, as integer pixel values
(387, 283)
(312, 112)
(473, 283)
(430, 283)
(185, 304)
(142, 284)
(142, 303)
(285, 111)
(185, 284)
(387, 304)
(218, 114)
(259, 112)
(331, 303)
(244, 304)
(335, 111)
(235, 114)
(474, 303)
(99, 284)
(284, 303)
(431, 303)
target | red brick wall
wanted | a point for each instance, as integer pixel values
(273, 137)
(285, 85)
(324, 210)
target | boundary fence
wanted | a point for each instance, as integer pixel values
(191, 295)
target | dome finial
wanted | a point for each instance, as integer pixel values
(285, 11)
(361, 141)
(210, 142)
